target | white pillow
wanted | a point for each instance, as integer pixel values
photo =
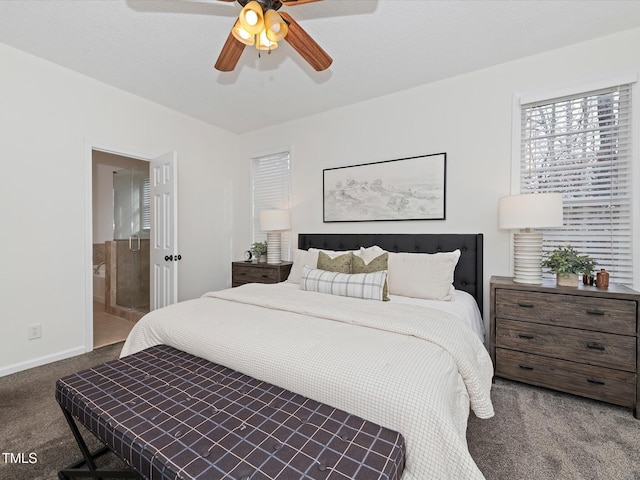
(369, 253)
(368, 286)
(300, 259)
(422, 275)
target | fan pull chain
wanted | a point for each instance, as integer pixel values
(268, 52)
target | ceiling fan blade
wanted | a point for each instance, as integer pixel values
(290, 3)
(306, 46)
(230, 54)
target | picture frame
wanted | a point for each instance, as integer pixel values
(412, 188)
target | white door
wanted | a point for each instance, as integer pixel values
(164, 235)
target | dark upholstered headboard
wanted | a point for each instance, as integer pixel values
(468, 274)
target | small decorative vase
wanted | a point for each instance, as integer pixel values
(567, 280)
(602, 279)
(263, 259)
(588, 279)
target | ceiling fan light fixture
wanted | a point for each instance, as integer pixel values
(261, 24)
(252, 18)
(275, 27)
(263, 43)
(242, 35)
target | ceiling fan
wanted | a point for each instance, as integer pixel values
(259, 24)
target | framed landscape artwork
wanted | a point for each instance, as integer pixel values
(411, 188)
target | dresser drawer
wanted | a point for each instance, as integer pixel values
(594, 348)
(591, 313)
(248, 274)
(613, 386)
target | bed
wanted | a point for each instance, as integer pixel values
(401, 364)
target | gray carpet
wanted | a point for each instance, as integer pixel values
(31, 420)
(545, 435)
(536, 433)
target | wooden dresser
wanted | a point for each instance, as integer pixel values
(248, 272)
(581, 340)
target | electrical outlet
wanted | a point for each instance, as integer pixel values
(35, 331)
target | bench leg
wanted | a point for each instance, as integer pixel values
(76, 470)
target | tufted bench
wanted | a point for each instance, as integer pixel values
(171, 415)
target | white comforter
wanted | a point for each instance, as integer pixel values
(407, 368)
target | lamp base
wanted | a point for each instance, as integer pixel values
(274, 247)
(527, 258)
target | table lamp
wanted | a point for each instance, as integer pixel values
(524, 212)
(274, 222)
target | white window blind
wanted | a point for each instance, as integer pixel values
(271, 188)
(146, 207)
(580, 146)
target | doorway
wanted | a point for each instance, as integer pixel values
(120, 247)
(159, 269)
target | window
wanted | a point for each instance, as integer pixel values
(580, 146)
(271, 189)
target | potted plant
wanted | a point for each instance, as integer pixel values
(259, 251)
(567, 263)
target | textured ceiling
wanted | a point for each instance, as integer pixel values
(164, 50)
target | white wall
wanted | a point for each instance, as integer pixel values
(47, 117)
(468, 117)
(49, 114)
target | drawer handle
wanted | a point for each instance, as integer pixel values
(595, 312)
(526, 367)
(595, 381)
(525, 305)
(265, 276)
(595, 346)
(526, 335)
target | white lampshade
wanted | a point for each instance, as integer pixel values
(533, 210)
(539, 210)
(275, 220)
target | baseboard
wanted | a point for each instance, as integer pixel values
(37, 362)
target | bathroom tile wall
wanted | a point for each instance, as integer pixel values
(132, 275)
(118, 284)
(98, 253)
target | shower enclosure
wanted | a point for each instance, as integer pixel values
(131, 229)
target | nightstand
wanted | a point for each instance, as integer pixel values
(248, 272)
(583, 340)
